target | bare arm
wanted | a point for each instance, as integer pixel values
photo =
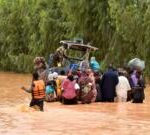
(27, 90)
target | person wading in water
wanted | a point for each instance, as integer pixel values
(37, 91)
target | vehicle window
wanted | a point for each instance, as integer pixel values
(71, 53)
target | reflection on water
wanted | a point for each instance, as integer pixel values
(98, 118)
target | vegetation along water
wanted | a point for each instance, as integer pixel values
(29, 28)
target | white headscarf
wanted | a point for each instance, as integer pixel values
(55, 75)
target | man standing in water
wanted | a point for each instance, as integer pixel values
(108, 85)
(37, 90)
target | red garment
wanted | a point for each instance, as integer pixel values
(68, 87)
(87, 94)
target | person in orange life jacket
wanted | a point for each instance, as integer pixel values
(37, 90)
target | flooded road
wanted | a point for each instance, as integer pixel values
(94, 119)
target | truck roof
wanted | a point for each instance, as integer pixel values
(78, 46)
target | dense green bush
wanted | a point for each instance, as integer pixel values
(28, 28)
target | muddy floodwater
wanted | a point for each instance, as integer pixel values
(16, 118)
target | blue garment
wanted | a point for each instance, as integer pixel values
(94, 65)
(73, 67)
(49, 89)
(108, 85)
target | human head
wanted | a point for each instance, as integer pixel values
(92, 58)
(75, 77)
(55, 75)
(88, 71)
(35, 75)
(70, 77)
(98, 73)
(111, 67)
(138, 74)
(50, 76)
(39, 62)
(62, 72)
(120, 73)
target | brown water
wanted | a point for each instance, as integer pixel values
(96, 119)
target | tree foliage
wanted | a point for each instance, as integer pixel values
(28, 28)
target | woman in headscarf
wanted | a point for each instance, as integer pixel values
(138, 89)
(40, 66)
(87, 84)
(50, 89)
(94, 65)
(58, 86)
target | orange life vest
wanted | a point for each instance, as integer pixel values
(38, 89)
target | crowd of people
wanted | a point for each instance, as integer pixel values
(86, 84)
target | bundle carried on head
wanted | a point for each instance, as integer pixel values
(137, 64)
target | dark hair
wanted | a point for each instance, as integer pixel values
(62, 72)
(110, 67)
(35, 75)
(120, 73)
(70, 77)
(49, 83)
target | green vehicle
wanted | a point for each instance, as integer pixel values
(69, 54)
